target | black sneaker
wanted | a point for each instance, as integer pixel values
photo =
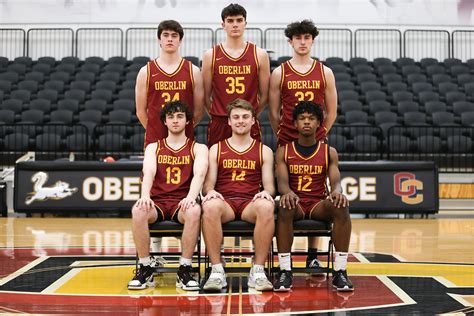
(284, 281)
(315, 266)
(143, 278)
(341, 281)
(185, 280)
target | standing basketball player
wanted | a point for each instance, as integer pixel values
(234, 69)
(239, 167)
(301, 78)
(303, 166)
(174, 169)
(168, 78)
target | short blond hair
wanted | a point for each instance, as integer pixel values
(240, 104)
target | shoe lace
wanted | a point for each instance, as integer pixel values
(282, 277)
(186, 274)
(343, 277)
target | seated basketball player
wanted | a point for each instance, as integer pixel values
(302, 168)
(239, 167)
(174, 169)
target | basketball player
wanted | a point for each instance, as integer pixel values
(302, 168)
(239, 167)
(234, 69)
(168, 78)
(301, 78)
(174, 169)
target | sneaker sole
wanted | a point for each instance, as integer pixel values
(214, 289)
(262, 289)
(180, 285)
(142, 287)
(343, 289)
(282, 289)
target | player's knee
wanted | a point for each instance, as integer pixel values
(212, 209)
(139, 214)
(193, 214)
(264, 209)
(285, 213)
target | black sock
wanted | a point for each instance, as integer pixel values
(312, 254)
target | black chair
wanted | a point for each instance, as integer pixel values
(464, 78)
(32, 116)
(385, 117)
(459, 144)
(13, 105)
(350, 105)
(399, 144)
(128, 94)
(418, 87)
(340, 76)
(413, 78)
(67, 68)
(435, 106)
(48, 142)
(81, 85)
(42, 105)
(119, 60)
(21, 94)
(60, 76)
(334, 68)
(467, 118)
(57, 85)
(440, 78)
(107, 85)
(24, 60)
(386, 78)
(129, 84)
(414, 118)
(35, 76)
(7, 117)
(450, 62)
(111, 142)
(78, 142)
(459, 70)
(193, 59)
(455, 96)
(345, 85)
(410, 69)
(386, 69)
(375, 96)
(427, 96)
(333, 61)
(45, 69)
(48, 60)
(120, 116)
(339, 142)
(128, 105)
(378, 106)
(462, 106)
(443, 118)
(102, 94)
(96, 104)
(20, 69)
(137, 142)
(382, 61)
(75, 94)
(5, 86)
(11, 76)
(393, 87)
(69, 104)
(356, 117)
(86, 76)
(348, 95)
(62, 116)
(110, 75)
(445, 87)
(360, 69)
(95, 60)
(428, 61)
(90, 116)
(370, 86)
(428, 144)
(435, 69)
(400, 96)
(16, 142)
(71, 60)
(92, 68)
(366, 144)
(356, 61)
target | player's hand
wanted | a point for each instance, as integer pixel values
(289, 200)
(263, 195)
(213, 194)
(338, 199)
(145, 203)
(186, 204)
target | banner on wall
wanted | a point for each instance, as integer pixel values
(371, 187)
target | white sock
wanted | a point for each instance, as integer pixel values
(145, 261)
(185, 261)
(155, 244)
(257, 267)
(340, 262)
(218, 268)
(285, 261)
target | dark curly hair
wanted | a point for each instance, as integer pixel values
(308, 107)
(300, 28)
(173, 107)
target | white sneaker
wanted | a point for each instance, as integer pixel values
(258, 279)
(216, 282)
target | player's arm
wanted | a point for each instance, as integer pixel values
(201, 161)
(330, 97)
(149, 171)
(207, 77)
(141, 96)
(336, 196)
(211, 176)
(198, 96)
(263, 78)
(268, 178)
(274, 101)
(288, 198)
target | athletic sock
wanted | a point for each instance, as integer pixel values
(218, 268)
(146, 261)
(285, 261)
(340, 262)
(185, 261)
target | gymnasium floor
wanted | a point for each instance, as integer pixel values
(398, 266)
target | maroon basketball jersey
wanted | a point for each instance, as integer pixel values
(239, 173)
(295, 87)
(307, 175)
(234, 78)
(163, 87)
(174, 171)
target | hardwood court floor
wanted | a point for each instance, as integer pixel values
(52, 265)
